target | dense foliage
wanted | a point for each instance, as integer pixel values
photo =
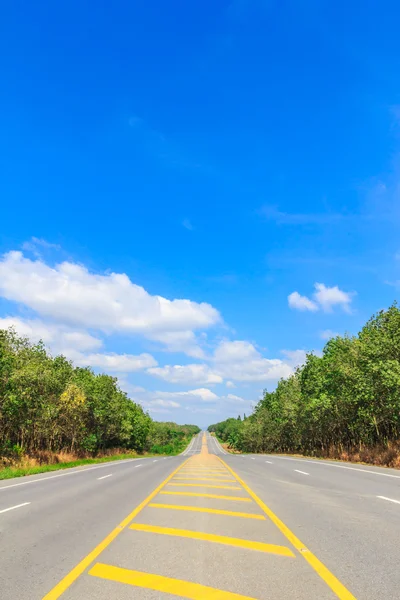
(48, 404)
(349, 398)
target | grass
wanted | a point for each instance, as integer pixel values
(22, 471)
(10, 472)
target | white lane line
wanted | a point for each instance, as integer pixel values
(137, 466)
(155, 460)
(321, 463)
(14, 507)
(105, 466)
(252, 458)
(104, 477)
(389, 499)
(302, 472)
(269, 462)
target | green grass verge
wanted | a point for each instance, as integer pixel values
(11, 472)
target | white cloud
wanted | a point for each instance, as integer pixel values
(179, 341)
(201, 394)
(328, 297)
(234, 399)
(70, 294)
(325, 298)
(76, 345)
(230, 384)
(301, 302)
(186, 374)
(118, 363)
(57, 337)
(166, 403)
(241, 361)
(237, 360)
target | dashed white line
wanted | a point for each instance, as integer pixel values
(137, 466)
(155, 460)
(302, 472)
(252, 458)
(389, 499)
(269, 462)
(83, 470)
(14, 507)
(104, 477)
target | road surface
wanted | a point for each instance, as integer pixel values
(204, 525)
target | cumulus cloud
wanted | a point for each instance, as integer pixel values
(324, 298)
(234, 399)
(236, 360)
(166, 403)
(198, 395)
(179, 341)
(328, 297)
(186, 374)
(117, 363)
(76, 346)
(241, 361)
(301, 302)
(70, 294)
(58, 337)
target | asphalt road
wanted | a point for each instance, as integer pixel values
(204, 525)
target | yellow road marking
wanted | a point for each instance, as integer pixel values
(176, 587)
(207, 485)
(215, 511)
(203, 470)
(218, 539)
(336, 586)
(204, 479)
(69, 579)
(201, 495)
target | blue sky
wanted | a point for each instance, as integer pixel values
(242, 156)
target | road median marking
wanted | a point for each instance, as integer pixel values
(73, 575)
(207, 485)
(215, 479)
(215, 511)
(336, 586)
(202, 495)
(158, 583)
(217, 539)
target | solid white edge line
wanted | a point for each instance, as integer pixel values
(302, 472)
(83, 470)
(14, 507)
(104, 477)
(325, 464)
(389, 499)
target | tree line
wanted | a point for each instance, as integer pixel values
(345, 402)
(47, 404)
